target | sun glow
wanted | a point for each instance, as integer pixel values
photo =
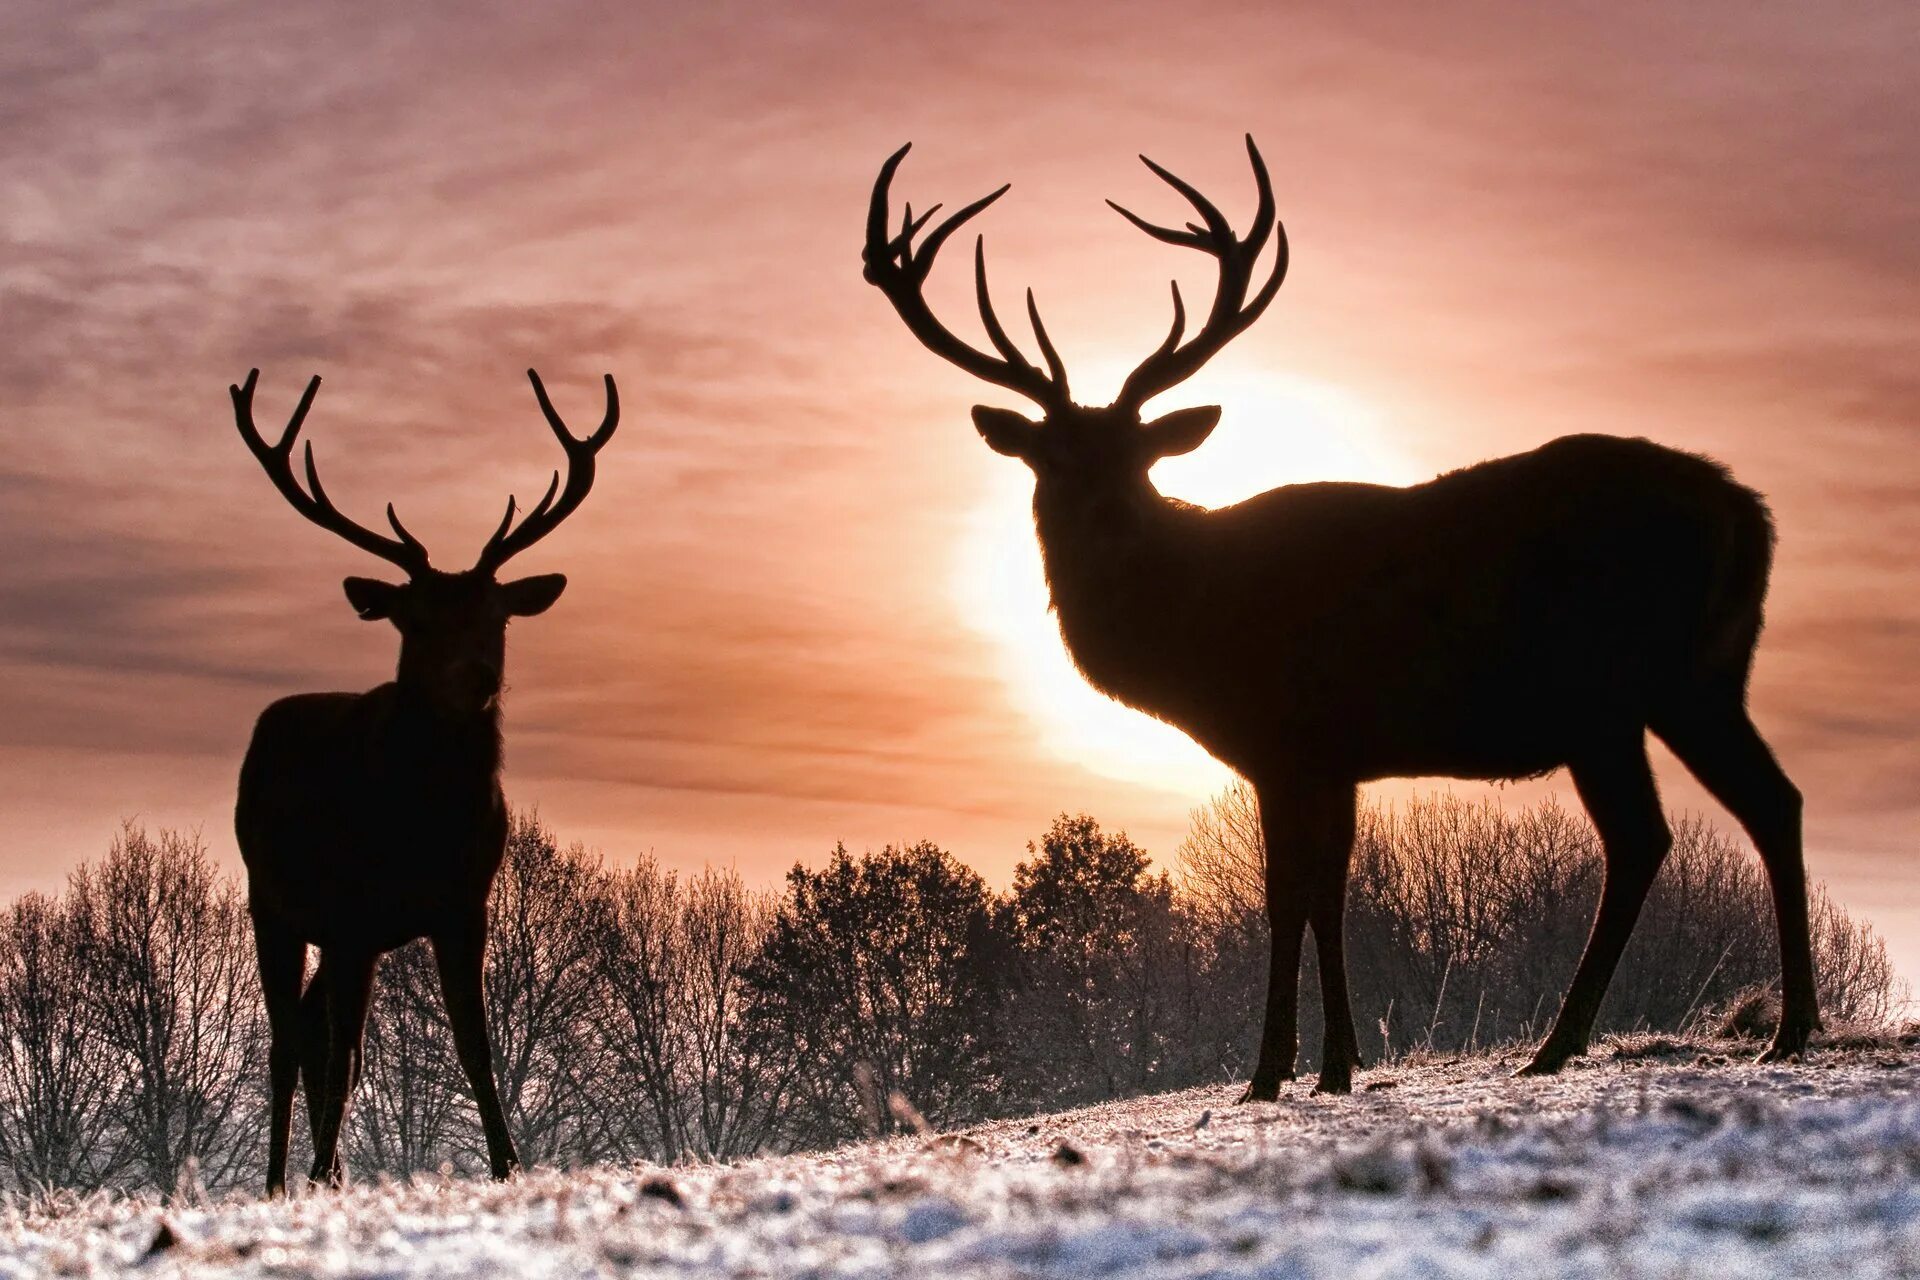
(1275, 430)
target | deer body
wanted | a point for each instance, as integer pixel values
(1544, 610)
(367, 820)
(1475, 626)
(351, 790)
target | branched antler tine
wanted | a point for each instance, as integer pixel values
(1178, 328)
(1232, 311)
(548, 513)
(1263, 214)
(608, 420)
(299, 417)
(243, 416)
(914, 224)
(899, 269)
(923, 259)
(1190, 239)
(506, 522)
(573, 445)
(877, 241)
(412, 543)
(552, 416)
(996, 332)
(277, 461)
(541, 507)
(1056, 371)
(1215, 220)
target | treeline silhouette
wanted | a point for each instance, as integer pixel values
(641, 1014)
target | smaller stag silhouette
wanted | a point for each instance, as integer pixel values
(367, 820)
(1531, 612)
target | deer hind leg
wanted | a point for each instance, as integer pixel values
(1624, 803)
(314, 1039)
(1327, 911)
(1732, 761)
(283, 963)
(345, 996)
(460, 954)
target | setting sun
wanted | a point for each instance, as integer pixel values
(1277, 429)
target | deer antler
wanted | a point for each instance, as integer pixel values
(509, 541)
(277, 460)
(1172, 363)
(900, 269)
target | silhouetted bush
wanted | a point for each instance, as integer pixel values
(1465, 921)
(1102, 983)
(875, 986)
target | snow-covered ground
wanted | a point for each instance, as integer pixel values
(1658, 1162)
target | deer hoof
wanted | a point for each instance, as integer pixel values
(1335, 1080)
(1263, 1090)
(1789, 1045)
(1544, 1064)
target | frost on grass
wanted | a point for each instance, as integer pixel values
(1642, 1164)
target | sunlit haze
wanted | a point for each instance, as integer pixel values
(1279, 429)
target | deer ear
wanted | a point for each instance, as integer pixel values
(371, 598)
(1006, 432)
(524, 597)
(1181, 431)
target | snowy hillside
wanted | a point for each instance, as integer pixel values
(1645, 1159)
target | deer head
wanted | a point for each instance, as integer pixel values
(453, 625)
(1072, 442)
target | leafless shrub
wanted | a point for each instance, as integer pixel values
(1464, 920)
(55, 1084)
(412, 1110)
(1751, 1014)
(675, 995)
(639, 1014)
(168, 952)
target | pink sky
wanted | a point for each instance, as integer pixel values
(800, 608)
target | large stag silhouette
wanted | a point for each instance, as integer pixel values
(1501, 621)
(367, 820)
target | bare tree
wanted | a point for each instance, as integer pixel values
(673, 1015)
(164, 939)
(551, 921)
(735, 1090)
(56, 1086)
(413, 1115)
(637, 1019)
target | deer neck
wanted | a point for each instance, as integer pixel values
(438, 737)
(1104, 546)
